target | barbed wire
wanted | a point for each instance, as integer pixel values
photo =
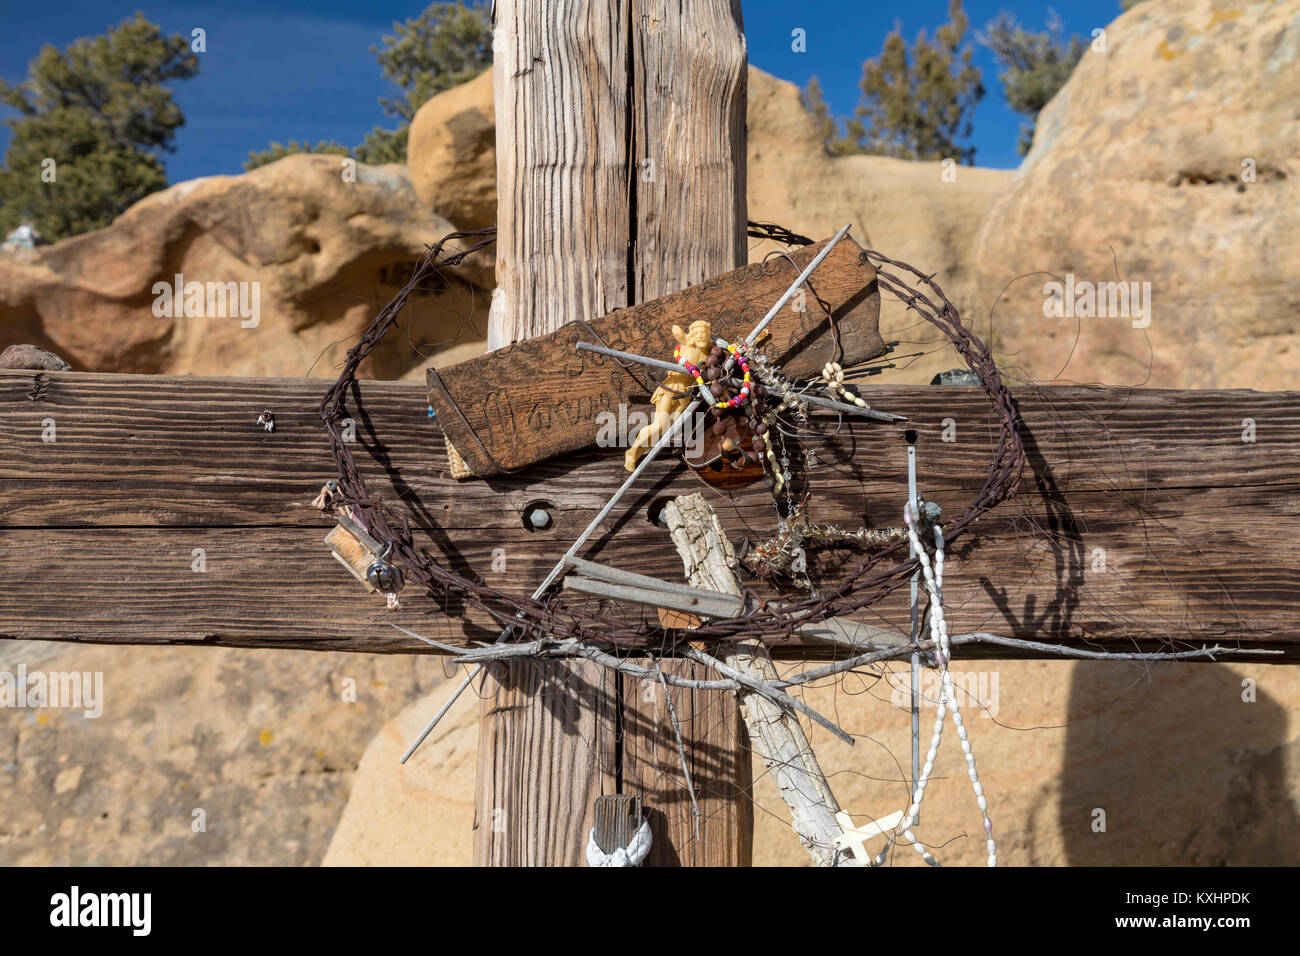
(878, 573)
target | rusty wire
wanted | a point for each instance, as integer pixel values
(875, 576)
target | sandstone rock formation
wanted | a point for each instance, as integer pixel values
(316, 255)
(313, 256)
(452, 154)
(1169, 159)
(264, 743)
(428, 801)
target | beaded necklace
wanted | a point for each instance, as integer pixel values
(948, 703)
(737, 351)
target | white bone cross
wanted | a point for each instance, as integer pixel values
(854, 839)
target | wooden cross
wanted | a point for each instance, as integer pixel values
(1145, 517)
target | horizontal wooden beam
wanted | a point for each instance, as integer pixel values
(153, 509)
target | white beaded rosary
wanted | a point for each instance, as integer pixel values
(947, 697)
(833, 376)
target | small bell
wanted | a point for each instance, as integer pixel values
(383, 575)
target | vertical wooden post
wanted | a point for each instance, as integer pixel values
(620, 178)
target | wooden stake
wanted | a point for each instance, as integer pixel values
(774, 734)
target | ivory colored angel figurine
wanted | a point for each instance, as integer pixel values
(695, 345)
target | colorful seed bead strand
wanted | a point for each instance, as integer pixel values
(737, 352)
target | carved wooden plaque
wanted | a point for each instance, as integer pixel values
(543, 397)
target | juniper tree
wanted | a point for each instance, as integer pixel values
(828, 128)
(917, 100)
(1035, 65)
(446, 45)
(92, 123)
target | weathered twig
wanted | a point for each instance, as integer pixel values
(766, 687)
(979, 637)
(775, 732)
(982, 637)
(571, 647)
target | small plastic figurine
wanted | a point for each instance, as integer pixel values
(674, 395)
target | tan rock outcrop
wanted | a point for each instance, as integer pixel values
(433, 792)
(925, 214)
(314, 251)
(197, 756)
(315, 255)
(1140, 172)
(452, 154)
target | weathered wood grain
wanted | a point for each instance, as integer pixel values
(579, 107)
(1199, 529)
(547, 749)
(686, 75)
(543, 397)
(719, 759)
(196, 438)
(278, 587)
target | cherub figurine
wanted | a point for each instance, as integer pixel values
(695, 345)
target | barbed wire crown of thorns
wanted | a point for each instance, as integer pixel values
(879, 571)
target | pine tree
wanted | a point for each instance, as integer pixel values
(92, 123)
(917, 101)
(1035, 65)
(827, 127)
(446, 45)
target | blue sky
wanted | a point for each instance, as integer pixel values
(280, 70)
